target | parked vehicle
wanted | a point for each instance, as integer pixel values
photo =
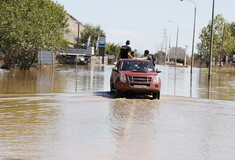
(135, 76)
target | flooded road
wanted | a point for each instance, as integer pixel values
(96, 126)
(68, 79)
(59, 113)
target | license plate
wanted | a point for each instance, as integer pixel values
(140, 86)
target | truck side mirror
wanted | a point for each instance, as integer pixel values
(158, 71)
(114, 69)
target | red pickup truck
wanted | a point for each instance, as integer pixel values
(135, 76)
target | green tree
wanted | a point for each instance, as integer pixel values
(93, 31)
(161, 57)
(27, 26)
(112, 49)
(223, 42)
(161, 53)
(232, 26)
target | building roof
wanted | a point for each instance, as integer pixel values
(73, 18)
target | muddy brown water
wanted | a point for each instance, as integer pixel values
(67, 79)
(62, 114)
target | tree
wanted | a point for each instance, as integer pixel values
(112, 49)
(28, 26)
(90, 30)
(232, 26)
(223, 42)
(161, 56)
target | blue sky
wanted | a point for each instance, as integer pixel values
(143, 21)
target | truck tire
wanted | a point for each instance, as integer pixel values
(117, 94)
(156, 95)
(111, 88)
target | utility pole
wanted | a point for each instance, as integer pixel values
(211, 43)
(176, 44)
(192, 56)
(165, 41)
(168, 57)
(78, 39)
(176, 48)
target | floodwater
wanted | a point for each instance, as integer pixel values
(62, 113)
(68, 79)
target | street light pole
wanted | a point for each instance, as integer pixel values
(176, 50)
(177, 37)
(211, 43)
(192, 56)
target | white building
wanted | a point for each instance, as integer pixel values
(75, 28)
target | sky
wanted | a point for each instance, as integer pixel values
(146, 22)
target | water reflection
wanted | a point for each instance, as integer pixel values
(90, 78)
(24, 127)
(58, 80)
(171, 129)
(133, 124)
(71, 79)
(222, 84)
(86, 126)
(42, 117)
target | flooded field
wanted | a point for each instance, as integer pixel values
(62, 113)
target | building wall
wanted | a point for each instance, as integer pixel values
(75, 28)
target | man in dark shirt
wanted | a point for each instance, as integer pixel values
(125, 51)
(147, 56)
